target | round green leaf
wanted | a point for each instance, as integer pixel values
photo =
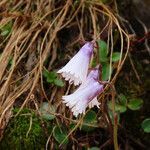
(58, 82)
(102, 51)
(105, 71)
(5, 33)
(118, 107)
(60, 135)
(146, 125)
(123, 99)
(135, 104)
(115, 56)
(47, 111)
(50, 76)
(94, 148)
(5, 30)
(89, 121)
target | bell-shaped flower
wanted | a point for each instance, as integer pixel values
(93, 75)
(85, 95)
(75, 71)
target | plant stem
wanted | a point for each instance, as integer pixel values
(115, 132)
(115, 129)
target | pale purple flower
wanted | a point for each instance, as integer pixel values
(93, 75)
(85, 95)
(75, 71)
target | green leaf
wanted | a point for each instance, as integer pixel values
(118, 107)
(135, 104)
(94, 148)
(45, 73)
(146, 125)
(6, 29)
(47, 111)
(60, 135)
(102, 51)
(58, 82)
(105, 71)
(89, 121)
(50, 76)
(49, 80)
(5, 33)
(115, 56)
(123, 99)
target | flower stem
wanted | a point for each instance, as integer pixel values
(115, 128)
(115, 139)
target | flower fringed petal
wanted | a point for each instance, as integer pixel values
(81, 98)
(75, 71)
(93, 103)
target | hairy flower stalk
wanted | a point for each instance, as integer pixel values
(85, 95)
(75, 71)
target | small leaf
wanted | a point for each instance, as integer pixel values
(118, 107)
(60, 135)
(45, 73)
(146, 125)
(50, 76)
(102, 51)
(5, 33)
(89, 121)
(94, 148)
(47, 111)
(135, 104)
(115, 56)
(49, 80)
(105, 71)
(6, 29)
(58, 82)
(123, 99)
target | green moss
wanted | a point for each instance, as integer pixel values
(18, 136)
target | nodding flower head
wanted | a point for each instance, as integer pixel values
(93, 75)
(79, 100)
(85, 95)
(75, 71)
